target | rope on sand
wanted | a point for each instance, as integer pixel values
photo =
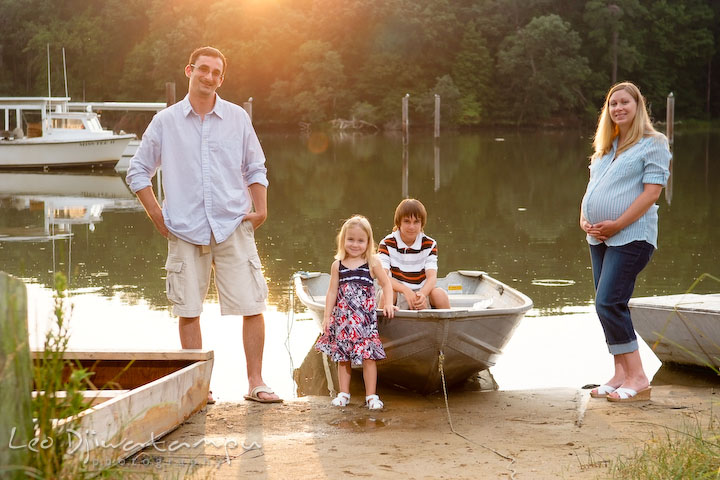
(290, 323)
(441, 360)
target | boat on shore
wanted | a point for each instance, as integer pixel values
(144, 395)
(681, 329)
(49, 135)
(423, 346)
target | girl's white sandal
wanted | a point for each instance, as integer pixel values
(341, 400)
(373, 402)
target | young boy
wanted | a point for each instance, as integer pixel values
(410, 257)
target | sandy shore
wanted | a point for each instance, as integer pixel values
(534, 434)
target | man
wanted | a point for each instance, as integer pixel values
(213, 175)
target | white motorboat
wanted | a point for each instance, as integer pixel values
(47, 134)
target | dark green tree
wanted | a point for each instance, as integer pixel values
(542, 70)
(472, 73)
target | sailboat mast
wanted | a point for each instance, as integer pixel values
(48, 57)
(65, 72)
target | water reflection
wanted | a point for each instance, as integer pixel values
(507, 207)
(45, 207)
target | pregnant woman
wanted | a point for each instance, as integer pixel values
(628, 170)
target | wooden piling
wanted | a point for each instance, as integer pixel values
(436, 142)
(405, 120)
(670, 133)
(436, 151)
(170, 93)
(437, 116)
(405, 143)
(670, 118)
(248, 107)
(15, 376)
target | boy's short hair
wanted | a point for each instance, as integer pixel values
(410, 207)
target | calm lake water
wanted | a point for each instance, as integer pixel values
(504, 203)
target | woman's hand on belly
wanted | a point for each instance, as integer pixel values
(604, 230)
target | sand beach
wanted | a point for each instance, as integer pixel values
(521, 434)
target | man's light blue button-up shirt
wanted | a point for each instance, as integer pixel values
(207, 166)
(615, 184)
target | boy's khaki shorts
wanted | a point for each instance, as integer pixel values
(238, 274)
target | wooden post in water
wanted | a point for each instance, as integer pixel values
(436, 142)
(670, 118)
(170, 93)
(405, 143)
(670, 132)
(248, 107)
(15, 375)
(437, 116)
(159, 186)
(169, 100)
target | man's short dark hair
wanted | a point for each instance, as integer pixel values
(208, 52)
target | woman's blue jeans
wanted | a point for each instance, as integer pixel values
(614, 271)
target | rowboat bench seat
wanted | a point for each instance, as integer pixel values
(456, 300)
(465, 301)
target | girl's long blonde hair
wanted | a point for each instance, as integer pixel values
(364, 224)
(607, 130)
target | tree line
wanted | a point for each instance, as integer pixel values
(493, 62)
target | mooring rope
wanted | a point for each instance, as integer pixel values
(441, 361)
(290, 323)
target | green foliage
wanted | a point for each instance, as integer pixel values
(313, 60)
(692, 452)
(472, 72)
(313, 92)
(365, 111)
(59, 399)
(450, 107)
(15, 377)
(542, 69)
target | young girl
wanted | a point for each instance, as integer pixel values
(350, 332)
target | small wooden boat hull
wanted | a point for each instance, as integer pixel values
(681, 329)
(463, 340)
(145, 395)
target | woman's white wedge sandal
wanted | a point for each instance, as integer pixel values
(341, 400)
(373, 402)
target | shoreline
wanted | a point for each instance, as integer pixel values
(543, 433)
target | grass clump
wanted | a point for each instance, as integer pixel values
(58, 399)
(693, 452)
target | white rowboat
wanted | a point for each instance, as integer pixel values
(463, 340)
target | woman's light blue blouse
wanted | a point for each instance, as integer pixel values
(615, 184)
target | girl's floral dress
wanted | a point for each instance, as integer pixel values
(351, 334)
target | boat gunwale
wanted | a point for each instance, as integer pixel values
(430, 313)
(682, 305)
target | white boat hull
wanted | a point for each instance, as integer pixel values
(64, 184)
(681, 329)
(42, 153)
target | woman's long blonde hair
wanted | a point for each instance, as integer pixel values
(607, 130)
(364, 224)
